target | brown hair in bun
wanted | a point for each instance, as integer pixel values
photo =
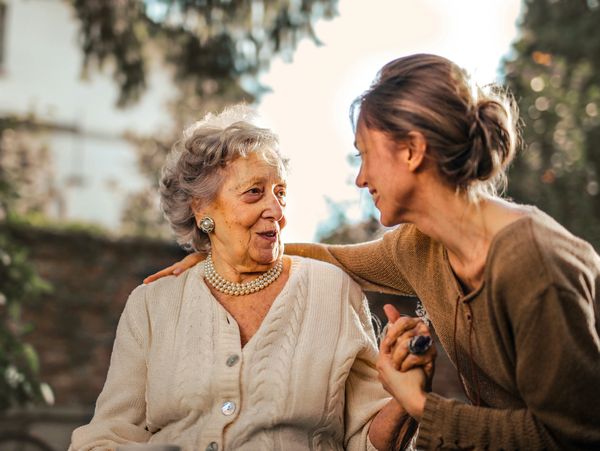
(471, 132)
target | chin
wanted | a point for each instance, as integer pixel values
(388, 221)
(269, 256)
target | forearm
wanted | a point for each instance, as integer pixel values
(462, 426)
(315, 251)
(367, 263)
(390, 426)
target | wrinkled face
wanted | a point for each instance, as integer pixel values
(384, 173)
(249, 214)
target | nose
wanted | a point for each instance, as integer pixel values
(361, 180)
(273, 208)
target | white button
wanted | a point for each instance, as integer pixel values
(228, 408)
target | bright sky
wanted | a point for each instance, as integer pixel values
(308, 106)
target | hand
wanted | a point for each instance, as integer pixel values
(408, 388)
(177, 268)
(400, 330)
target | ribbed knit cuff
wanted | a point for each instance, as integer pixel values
(427, 427)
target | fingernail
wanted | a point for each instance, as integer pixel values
(176, 271)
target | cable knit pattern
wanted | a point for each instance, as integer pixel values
(305, 380)
(198, 351)
(270, 365)
(327, 437)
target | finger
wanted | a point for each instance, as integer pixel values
(391, 313)
(402, 325)
(162, 273)
(413, 361)
(192, 259)
(409, 333)
(401, 349)
(187, 262)
(429, 370)
(399, 354)
(422, 329)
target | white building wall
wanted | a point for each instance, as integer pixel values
(41, 75)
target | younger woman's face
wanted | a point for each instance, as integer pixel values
(384, 172)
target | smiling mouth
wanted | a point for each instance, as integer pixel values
(270, 235)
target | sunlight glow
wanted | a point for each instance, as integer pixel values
(310, 97)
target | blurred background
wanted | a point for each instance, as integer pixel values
(94, 93)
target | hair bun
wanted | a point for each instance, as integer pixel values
(491, 138)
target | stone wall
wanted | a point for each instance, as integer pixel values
(75, 324)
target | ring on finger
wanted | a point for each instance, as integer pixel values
(419, 344)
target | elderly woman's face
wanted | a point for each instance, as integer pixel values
(249, 213)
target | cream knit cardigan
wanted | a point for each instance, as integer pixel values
(178, 374)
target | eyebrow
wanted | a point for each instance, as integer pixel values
(255, 180)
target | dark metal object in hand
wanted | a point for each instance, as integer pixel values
(419, 344)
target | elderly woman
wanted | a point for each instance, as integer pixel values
(250, 350)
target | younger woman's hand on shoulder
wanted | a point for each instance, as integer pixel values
(177, 268)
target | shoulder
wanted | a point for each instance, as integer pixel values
(412, 248)
(323, 272)
(164, 292)
(536, 252)
(408, 236)
(329, 277)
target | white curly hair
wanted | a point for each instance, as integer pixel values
(193, 172)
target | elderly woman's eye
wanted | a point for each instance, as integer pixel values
(254, 191)
(281, 193)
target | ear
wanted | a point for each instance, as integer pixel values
(199, 211)
(417, 146)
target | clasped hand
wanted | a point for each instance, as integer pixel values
(407, 377)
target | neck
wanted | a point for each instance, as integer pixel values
(461, 226)
(464, 228)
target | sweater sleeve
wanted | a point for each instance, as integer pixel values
(121, 407)
(373, 265)
(365, 396)
(557, 373)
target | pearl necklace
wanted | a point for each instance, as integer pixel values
(240, 289)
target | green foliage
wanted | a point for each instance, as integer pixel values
(555, 76)
(19, 364)
(19, 284)
(210, 44)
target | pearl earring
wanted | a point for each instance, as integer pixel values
(206, 224)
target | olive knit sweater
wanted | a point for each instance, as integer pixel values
(526, 342)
